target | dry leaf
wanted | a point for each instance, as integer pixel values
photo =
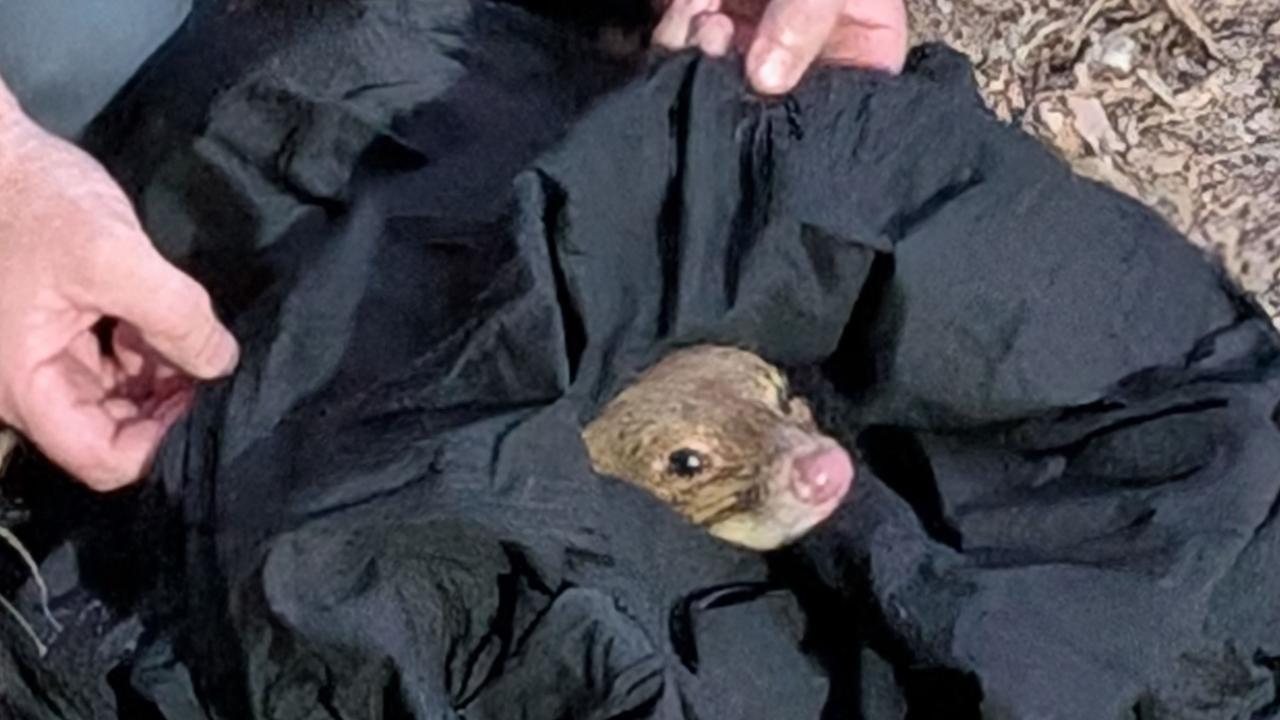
(1093, 125)
(1168, 164)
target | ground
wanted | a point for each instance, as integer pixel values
(1176, 102)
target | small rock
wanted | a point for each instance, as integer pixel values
(1118, 52)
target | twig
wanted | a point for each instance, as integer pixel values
(1038, 38)
(1159, 87)
(41, 649)
(12, 540)
(8, 442)
(1185, 14)
(1082, 29)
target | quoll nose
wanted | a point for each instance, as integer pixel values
(822, 476)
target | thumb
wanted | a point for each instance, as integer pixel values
(171, 311)
(789, 37)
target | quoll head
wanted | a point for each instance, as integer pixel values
(714, 432)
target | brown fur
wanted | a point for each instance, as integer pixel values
(733, 409)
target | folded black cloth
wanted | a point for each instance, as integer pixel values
(445, 235)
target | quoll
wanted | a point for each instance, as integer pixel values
(715, 433)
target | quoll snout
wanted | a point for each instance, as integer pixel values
(822, 476)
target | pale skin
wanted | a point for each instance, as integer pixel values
(782, 39)
(73, 252)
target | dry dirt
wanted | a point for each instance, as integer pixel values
(1176, 102)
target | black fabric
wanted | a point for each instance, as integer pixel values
(446, 234)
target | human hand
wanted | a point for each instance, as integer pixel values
(72, 252)
(782, 38)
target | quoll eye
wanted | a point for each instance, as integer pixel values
(686, 463)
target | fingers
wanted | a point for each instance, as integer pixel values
(695, 23)
(871, 34)
(674, 30)
(71, 251)
(791, 34)
(787, 36)
(65, 415)
(146, 379)
(171, 311)
(100, 419)
(712, 33)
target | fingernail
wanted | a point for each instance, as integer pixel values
(774, 71)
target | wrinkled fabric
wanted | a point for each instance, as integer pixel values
(445, 235)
